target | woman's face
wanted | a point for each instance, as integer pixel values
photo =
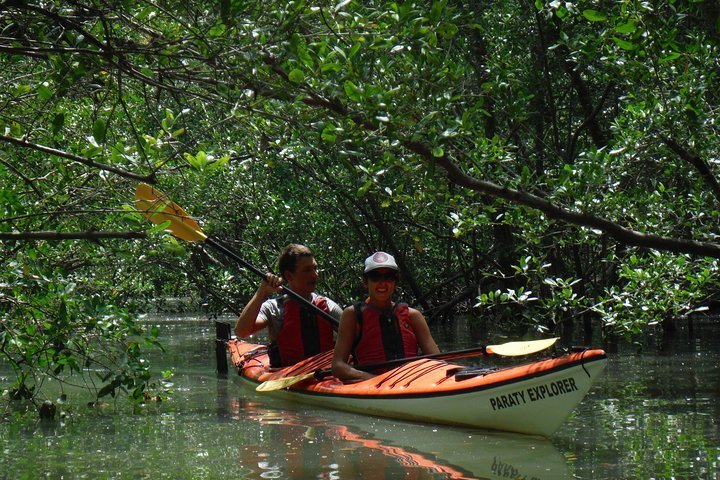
(381, 283)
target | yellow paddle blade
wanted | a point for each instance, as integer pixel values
(152, 194)
(280, 383)
(156, 213)
(514, 349)
(158, 208)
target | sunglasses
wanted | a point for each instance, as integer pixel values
(379, 276)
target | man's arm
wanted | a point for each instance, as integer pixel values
(249, 322)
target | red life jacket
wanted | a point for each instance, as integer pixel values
(383, 336)
(303, 334)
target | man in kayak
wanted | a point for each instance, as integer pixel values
(379, 329)
(295, 331)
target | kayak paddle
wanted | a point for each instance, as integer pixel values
(509, 349)
(159, 209)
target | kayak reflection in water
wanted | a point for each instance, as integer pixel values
(281, 443)
(379, 329)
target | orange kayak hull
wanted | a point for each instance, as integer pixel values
(533, 398)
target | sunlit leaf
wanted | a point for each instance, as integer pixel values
(624, 44)
(626, 28)
(594, 15)
(352, 91)
(44, 92)
(296, 76)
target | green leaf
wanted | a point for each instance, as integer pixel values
(220, 162)
(107, 389)
(624, 44)
(438, 152)
(594, 15)
(670, 57)
(16, 130)
(626, 28)
(329, 134)
(448, 30)
(155, 229)
(172, 246)
(201, 158)
(437, 10)
(168, 121)
(306, 59)
(198, 161)
(298, 45)
(330, 67)
(296, 42)
(99, 128)
(44, 92)
(354, 50)
(352, 91)
(296, 76)
(57, 123)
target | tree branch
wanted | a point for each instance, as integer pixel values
(59, 236)
(76, 158)
(457, 176)
(25, 179)
(618, 232)
(700, 165)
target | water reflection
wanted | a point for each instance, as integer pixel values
(653, 414)
(297, 444)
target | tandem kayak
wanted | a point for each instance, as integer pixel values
(533, 398)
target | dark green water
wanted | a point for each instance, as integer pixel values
(652, 415)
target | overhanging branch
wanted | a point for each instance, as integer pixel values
(59, 236)
(76, 158)
(700, 165)
(616, 231)
(457, 176)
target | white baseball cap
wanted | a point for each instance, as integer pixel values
(380, 260)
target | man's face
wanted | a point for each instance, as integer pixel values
(304, 279)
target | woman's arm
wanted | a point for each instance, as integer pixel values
(343, 348)
(422, 332)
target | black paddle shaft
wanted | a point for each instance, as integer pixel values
(296, 296)
(468, 352)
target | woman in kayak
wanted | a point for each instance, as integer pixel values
(379, 329)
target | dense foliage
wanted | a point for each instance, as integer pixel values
(545, 163)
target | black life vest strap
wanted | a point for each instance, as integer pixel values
(390, 333)
(359, 330)
(391, 336)
(274, 355)
(309, 331)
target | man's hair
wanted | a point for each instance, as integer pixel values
(289, 256)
